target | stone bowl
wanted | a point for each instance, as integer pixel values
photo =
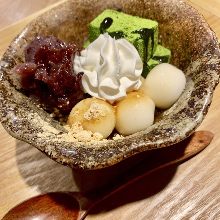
(194, 48)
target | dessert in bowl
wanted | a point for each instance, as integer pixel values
(194, 50)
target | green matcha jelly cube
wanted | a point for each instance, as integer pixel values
(149, 66)
(142, 33)
(161, 55)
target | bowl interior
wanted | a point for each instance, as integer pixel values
(194, 49)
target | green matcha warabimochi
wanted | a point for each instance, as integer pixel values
(119, 25)
(161, 55)
(141, 32)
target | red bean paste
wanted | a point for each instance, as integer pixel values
(48, 75)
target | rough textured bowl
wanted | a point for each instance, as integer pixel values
(195, 50)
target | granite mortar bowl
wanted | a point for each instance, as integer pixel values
(194, 48)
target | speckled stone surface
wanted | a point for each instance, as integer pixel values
(194, 49)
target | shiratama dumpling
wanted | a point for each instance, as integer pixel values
(95, 115)
(164, 84)
(134, 113)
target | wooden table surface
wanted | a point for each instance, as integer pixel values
(191, 191)
(12, 11)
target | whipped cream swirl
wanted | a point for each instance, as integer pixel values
(111, 68)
